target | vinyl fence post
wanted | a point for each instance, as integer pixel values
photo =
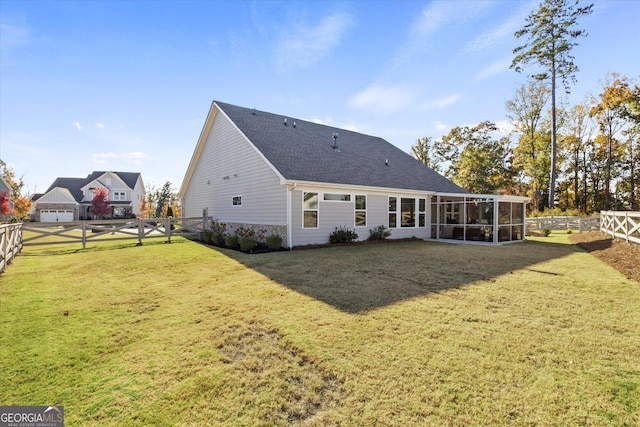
(167, 229)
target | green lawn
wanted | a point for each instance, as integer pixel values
(411, 333)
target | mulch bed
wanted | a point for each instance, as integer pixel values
(620, 255)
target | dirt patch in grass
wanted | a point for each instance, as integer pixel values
(270, 364)
(622, 256)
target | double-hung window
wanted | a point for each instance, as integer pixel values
(361, 211)
(393, 212)
(119, 196)
(422, 212)
(310, 210)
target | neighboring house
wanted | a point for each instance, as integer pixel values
(4, 186)
(69, 199)
(302, 180)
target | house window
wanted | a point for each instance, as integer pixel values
(393, 212)
(361, 211)
(337, 197)
(237, 201)
(119, 196)
(408, 212)
(310, 210)
(422, 212)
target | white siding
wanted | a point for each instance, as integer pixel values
(229, 166)
(332, 214)
(137, 195)
(57, 195)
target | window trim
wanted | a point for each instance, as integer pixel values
(347, 195)
(119, 196)
(412, 212)
(356, 210)
(316, 210)
(394, 212)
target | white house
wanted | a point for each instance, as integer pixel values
(69, 199)
(301, 179)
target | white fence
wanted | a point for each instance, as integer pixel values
(576, 223)
(10, 243)
(621, 225)
(47, 233)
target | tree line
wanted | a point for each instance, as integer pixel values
(582, 157)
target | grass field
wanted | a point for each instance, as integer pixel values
(411, 333)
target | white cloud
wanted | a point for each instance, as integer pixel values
(428, 24)
(493, 69)
(13, 36)
(77, 125)
(383, 99)
(439, 126)
(100, 125)
(447, 101)
(102, 158)
(134, 158)
(304, 45)
(489, 39)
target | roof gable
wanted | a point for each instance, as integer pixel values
(305, 151)
(57, 195)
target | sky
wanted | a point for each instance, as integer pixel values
(126, 85)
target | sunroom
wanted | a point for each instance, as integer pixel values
(488, 218)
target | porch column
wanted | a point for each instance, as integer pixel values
(495, 220)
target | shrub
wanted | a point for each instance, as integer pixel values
(569, 231)
(274, 241)
(546, 232)
(343, 235)
(218, 226)
(206, 237)
(379, 233)
(217, 238)
(231, 240)
(247, 243)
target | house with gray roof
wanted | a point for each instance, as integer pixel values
(69, 199)
(301, 179)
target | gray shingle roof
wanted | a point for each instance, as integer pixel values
(303, 151)
(74, 185)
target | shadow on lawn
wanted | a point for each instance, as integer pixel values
(360, 278)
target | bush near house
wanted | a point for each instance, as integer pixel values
(379, 233)
(343, 234)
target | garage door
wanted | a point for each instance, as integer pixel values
(52, 215)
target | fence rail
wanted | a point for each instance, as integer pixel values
(10, 243)
(621, 225)
(48, 233)
(564, 222)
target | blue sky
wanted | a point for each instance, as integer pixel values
(126, 85)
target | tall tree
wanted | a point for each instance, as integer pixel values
(608, 112)
(100, 202)
(163, 198)
(551, 35)
(424, 151)
(526, 112)
(478, 161)
(580, 130)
